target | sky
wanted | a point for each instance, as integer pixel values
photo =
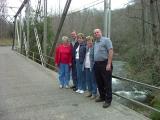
(75, 5)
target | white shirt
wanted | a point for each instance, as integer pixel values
(87, 60)
(77, 53)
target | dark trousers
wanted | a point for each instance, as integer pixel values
(74, 74)
(104, 80)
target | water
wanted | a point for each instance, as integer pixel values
(127, 89)
(129, 92)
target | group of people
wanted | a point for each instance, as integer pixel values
(89, 60)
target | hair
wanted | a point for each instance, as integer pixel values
(74, 31)
(97, 29)
(81, 35)
(89, 38)
(65, 38)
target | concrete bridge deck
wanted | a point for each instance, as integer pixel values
(30, 92)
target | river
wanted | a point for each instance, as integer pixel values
(124, 88)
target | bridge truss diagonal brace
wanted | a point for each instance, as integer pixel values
(17, 34)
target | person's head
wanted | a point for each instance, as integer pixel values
(89, 40)
(74, 35)
(80, 37)
(97, 34)
(65, 40)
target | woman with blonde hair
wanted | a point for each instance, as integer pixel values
(79, 57)
(88, 67)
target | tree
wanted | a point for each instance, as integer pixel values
(6, 30)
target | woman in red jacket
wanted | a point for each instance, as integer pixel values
(63, 60)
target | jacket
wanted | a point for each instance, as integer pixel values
(82, 52)
(91, 56)
(63, 54)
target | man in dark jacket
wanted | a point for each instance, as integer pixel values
(74, 72)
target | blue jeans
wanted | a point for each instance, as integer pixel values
(64, 74)
(91, 81)
(81, 83)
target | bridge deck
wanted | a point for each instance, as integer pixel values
(30, 92)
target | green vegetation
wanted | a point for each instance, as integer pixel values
(156, 104)
(6, 42)
(137, 43)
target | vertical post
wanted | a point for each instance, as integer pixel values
(20, 32)
(14, 36)
(45, 30)
(33, 56)
(27, 12)
(17, 35)
(107, 17)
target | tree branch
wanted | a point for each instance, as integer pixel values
(158, 13)
(138, 18)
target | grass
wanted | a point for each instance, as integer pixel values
(5, 42)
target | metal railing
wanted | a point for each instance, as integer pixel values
(138, 103)
(32, 55)
(45, 56)
(113, 76)
(136, 82)
(141, 84)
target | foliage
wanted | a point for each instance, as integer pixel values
(156, 104)
(50, 33)
(136, 42)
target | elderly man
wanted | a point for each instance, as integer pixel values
(75, 44)
(103, 52)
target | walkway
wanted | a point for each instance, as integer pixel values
(29, 92)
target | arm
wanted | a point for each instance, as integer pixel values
(110, 56)
(70, 57)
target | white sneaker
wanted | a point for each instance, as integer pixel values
(77, 91)
(66, 86)
(81, 91)
(60, 86)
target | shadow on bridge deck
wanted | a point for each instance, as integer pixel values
(30, 92)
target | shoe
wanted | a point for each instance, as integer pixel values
(88, 94)
(93, 97)
(99, 100)
(81, 91)
(66, 86)
(60, 86)
(74, 89)
(77, 91)
(106, 105)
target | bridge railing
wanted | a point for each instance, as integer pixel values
(33, 57)
(141, 84)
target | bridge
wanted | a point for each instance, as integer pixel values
(28, 80)
(30, 91)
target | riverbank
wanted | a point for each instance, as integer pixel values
(156, 104)
(153, 98)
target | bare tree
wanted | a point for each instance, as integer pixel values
(154, 21)
(3, 23)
